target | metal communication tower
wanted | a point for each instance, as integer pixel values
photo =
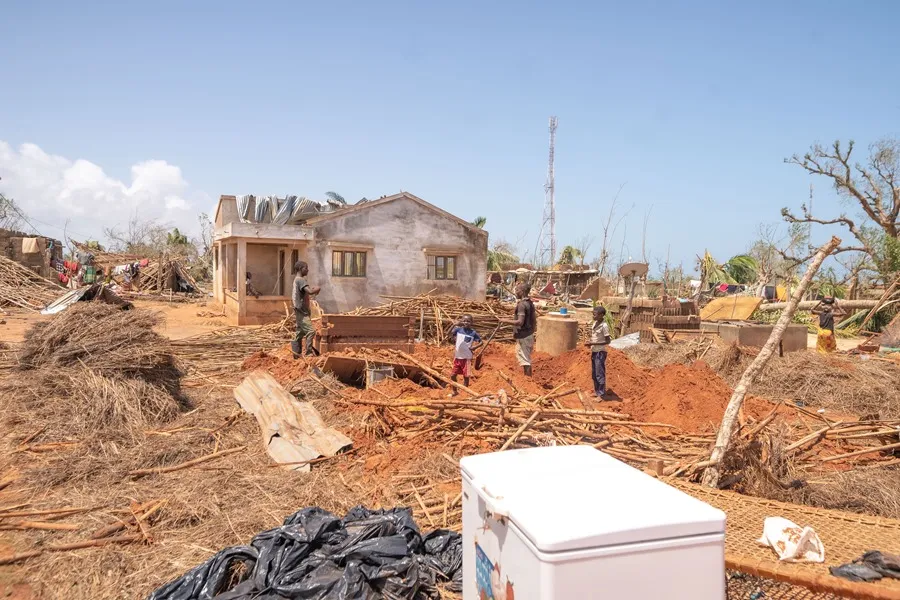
(547, 239)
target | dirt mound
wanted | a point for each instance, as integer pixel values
(279, 363)
(691, 397)
(624, 379)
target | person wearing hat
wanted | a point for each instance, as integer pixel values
(825, 340)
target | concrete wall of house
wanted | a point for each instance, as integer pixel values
(756, 336)
(395, 236)
(227, 212)
(262, 262)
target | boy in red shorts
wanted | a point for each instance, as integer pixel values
(467, 340)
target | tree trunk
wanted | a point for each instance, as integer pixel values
(811, 304)
(711, 474)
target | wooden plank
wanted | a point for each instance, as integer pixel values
(730, 308)
(329, 345)
(293, 432)
(360, 320)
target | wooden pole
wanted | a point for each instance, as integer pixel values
(712, 473)
(627, 316)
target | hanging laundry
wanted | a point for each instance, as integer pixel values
(58, 265)
(30, 246)
(89, 274)
(63, 278)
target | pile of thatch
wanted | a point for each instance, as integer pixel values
(94, 372)
(22, 287)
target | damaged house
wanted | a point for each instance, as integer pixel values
(398, 245)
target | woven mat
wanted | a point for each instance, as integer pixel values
(845, 536)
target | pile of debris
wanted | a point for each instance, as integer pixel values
(222, 352)
(22, 287)
(437, 315)
(132, 272)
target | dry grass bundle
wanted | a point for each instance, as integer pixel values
(98, 336)
(866, 491)
(83, 404)
(848, 385)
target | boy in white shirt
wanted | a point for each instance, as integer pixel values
(467, 340)
(599, 343)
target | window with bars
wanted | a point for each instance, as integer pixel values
(348, 263)
(441, 267)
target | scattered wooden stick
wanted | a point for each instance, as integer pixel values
(185, 465)
(435, 374)
(31, 437)
(60, 512)
(861, 452)
(422, 504)
(14, 558)
(40, 525)
(519, 431)
(122, 539)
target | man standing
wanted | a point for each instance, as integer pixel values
(599, 343)
(524, 326)
(301, 293)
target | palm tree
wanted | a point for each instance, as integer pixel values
(740, 268)
(480, 222)
(569, 255)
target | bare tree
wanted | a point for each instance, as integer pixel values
(583, 244)
(609, 231)
(873, 186)
(139, 236)
(11, 216)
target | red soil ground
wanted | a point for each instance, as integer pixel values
(691, 397)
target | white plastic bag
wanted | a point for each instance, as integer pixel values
(791, 542)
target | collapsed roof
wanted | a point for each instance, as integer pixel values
(280, 211)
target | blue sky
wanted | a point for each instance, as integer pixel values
(163, 106)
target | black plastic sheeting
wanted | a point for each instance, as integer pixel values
(315, 555)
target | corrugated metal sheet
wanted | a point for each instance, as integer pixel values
(281, 211)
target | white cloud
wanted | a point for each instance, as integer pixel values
(53, 190)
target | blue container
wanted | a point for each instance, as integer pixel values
(564, 311)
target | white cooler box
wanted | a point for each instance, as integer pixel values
(570, 522)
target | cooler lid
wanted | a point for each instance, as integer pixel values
(576, 497)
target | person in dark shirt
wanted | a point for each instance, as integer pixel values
(467, 340)
(825, 340)
(524, 326)
(301, 293)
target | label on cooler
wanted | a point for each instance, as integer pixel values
(490, 581)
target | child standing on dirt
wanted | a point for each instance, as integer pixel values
(599, 344)
(467, 340)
